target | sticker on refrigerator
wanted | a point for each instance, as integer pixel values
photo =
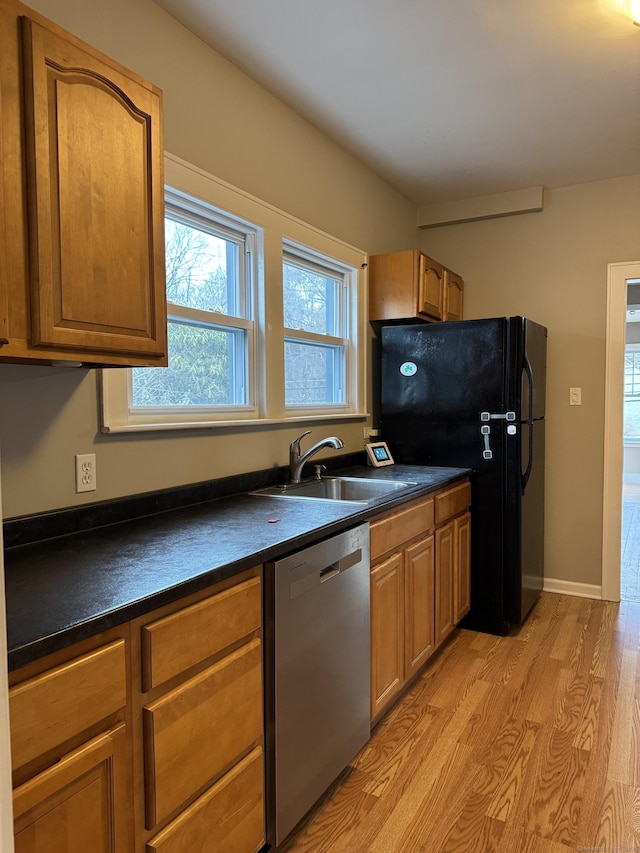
(408, 368)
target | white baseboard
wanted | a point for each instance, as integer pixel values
(580, 590)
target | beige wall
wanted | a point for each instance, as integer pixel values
(552, 267)
(218, 119)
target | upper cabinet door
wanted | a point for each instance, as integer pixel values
(454, 294)
(4, 274)
(95, 201)
(431, 292)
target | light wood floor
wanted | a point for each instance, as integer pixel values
(521, 744)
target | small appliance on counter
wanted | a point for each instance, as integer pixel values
(471, 393)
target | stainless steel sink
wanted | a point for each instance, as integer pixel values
(354, 489)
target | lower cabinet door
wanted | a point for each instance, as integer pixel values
(387, 632)
(445, 561)
(462, 575)
(79, 804)
(228, 818)
(419, 604)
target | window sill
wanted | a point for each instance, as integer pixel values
(301, 418)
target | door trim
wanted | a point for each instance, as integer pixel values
(617, 275)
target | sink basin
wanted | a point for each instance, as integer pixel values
(354, 489)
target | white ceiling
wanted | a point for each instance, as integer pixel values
(447, 99)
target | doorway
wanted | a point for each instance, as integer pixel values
(618, 277)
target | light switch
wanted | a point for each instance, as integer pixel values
(575, 396)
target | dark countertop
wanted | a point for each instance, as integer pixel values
(65, 589)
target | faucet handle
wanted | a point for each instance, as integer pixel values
(294, 447)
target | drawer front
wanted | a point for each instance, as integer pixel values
(231, 812)
(452, 501)
(196, 730)
(393, 531)
(174, 643)
(50, 708)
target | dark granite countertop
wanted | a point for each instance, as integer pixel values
(65, 589)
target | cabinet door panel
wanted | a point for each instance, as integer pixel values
(196, 730)
(445, 561)
(387, 632)
(453, 296)
(94, 154)
(462, 579)
(13, 268)
(77, 805)
(431, 291)
(419, 604)
(4, 272)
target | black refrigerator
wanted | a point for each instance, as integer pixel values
(472, 394)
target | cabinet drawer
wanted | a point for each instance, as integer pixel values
(173, 644)
(50, 708)
(196, 730)
(231, 812)
(402, 526)
(452, 501)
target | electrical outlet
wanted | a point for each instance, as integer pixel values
(369, 432)
(85, 472)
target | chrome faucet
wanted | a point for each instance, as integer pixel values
(296, 460)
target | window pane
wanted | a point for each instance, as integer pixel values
(312, 374)
(311, 300)
(202, 269)
(206, 368)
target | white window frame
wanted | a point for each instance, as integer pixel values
(347, 343)
(272, 231)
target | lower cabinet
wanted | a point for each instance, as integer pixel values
(420, 571)
(70, 751)
(148, 738)
(199, 714)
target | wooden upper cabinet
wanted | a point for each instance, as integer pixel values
(95, 200)
(82, 274)
(412, 286)
(9, 175)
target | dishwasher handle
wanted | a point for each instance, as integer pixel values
(313, 577)
(330, 572)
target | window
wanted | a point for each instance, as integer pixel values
(209, 308)
(316, 329)
(266, 318)
(632, 393)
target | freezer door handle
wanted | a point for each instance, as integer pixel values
(505, 416)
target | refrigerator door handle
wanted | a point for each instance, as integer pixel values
(489, 416)
(527, 473)
(485, 431)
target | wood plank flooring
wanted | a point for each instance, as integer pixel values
(522, 744)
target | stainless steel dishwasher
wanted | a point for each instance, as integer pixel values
(317, 664)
